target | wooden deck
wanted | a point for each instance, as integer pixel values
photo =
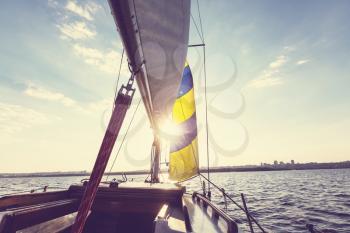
(130, 207)
(115, 209)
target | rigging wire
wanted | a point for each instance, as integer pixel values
(200, 19)
(205, 94)
(201, 35)
(118, 77)
(121, 144)
(195, 24)
(234, 202)
(206, 119)
(115, 97)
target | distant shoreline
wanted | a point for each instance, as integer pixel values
(248, 168)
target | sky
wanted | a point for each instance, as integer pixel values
(277, 81)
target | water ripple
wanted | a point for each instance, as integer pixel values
(282, 201)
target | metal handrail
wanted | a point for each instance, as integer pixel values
(216, 212)
(238, 205)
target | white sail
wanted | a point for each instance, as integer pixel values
(155, 36)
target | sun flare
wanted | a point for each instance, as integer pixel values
(168, 130)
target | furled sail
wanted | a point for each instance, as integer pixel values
(183, 162)
(155, 37)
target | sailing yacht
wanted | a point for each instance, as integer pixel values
(155, 36)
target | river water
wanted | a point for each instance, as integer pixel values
(282, 201)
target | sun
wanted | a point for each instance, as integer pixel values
(169, 131)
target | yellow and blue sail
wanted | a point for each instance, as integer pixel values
(183, 162)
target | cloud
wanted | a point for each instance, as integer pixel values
(100, 105)
(79, 32)
(76, 30)
(52, 3)
(87, 11)
(105, 61)
(271, 76)
(280, 61)
(44, 94)
(301, 62)
(14, 118)
(266, 82)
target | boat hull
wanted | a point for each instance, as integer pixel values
(127, 207)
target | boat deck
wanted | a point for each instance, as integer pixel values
(128, 207)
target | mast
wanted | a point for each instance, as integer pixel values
(155, 166)
(155, 38)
